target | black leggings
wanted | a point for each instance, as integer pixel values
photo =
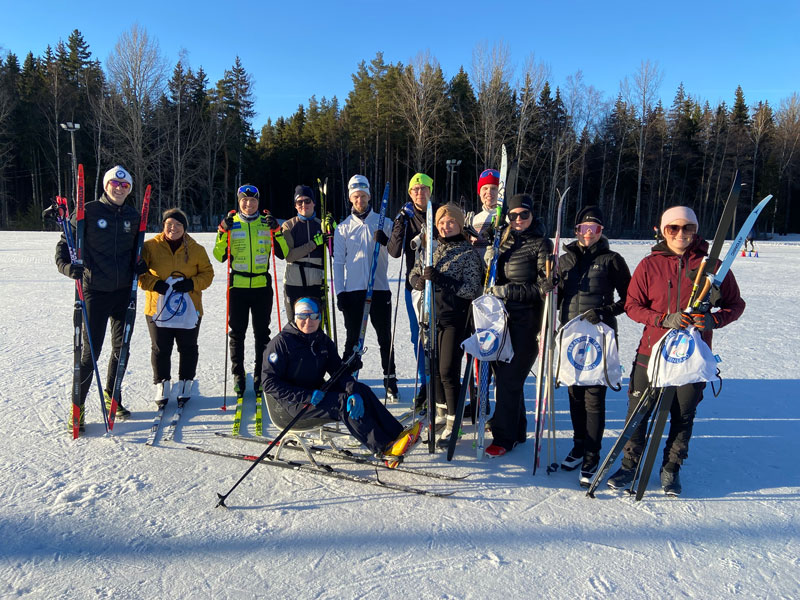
(587, 409)
(448, 380)
(380, 315)
(246, 303)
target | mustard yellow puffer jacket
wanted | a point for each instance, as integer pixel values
(190, 259)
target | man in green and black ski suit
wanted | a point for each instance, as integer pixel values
(250, 284)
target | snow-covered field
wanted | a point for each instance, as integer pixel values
(110, 517)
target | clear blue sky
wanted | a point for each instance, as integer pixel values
(295, 49)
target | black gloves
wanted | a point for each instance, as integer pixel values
(75, 271)
(140, 268)
(595, 315)
(183, 286)
(380, 237)
(547, 286)
(270, 221)
(227, 223)
(161, 287)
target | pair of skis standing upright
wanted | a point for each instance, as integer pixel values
(75, 243)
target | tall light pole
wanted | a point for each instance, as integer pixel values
(452, 166)
(72, 128)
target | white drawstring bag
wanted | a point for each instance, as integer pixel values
(490, 342)
(587, 355)
(681, 356)
(175, 310)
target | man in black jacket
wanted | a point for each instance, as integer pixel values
(109, 247)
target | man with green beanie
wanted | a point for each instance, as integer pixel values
(408, 225)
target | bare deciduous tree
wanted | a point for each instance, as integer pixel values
(491, 72)
(136, 73)
(421, 102)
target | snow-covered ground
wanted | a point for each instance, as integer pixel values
(110, 517)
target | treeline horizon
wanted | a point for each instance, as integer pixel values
(195, 142)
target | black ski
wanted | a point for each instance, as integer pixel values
(361, 459)
(151, 438)
(324, 470)
(462, 400)
(660, 420)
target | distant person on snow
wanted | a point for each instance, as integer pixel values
(109, 254)
(297, 360)
(657, 296)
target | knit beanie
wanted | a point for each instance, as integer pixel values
(520, 201)
(304, 190)
(488, 177)
(118, 173)
(358, 183)
(178, 215)
(675, 213)
(450, 210)
(421, 179)
(590, 214)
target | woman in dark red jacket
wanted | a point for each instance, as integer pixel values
(657, 296)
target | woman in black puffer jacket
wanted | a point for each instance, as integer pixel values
(589, 274)
(457, 275)
(520, 271)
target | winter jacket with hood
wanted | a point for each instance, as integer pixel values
(662, 283)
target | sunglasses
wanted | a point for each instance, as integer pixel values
(304, 316)
(119, 184)
(490, 173)
(584, 229)
(676, 229)
(300, 201)
(522, 215)
(249, 190)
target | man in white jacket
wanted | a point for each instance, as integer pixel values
(353, 249)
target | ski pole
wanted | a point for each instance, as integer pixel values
(343, 368)
(229, 283)
(67, 227)
(275, 274)
(397, 304)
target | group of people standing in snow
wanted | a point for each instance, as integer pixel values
(593, 282)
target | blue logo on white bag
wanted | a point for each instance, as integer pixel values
(678, 346)
(176, 305)
(584, 353)
(488, 342)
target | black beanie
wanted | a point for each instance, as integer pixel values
(178, 215)
(304, 190)
(590, 214)
(520, 201)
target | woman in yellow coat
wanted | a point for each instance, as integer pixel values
(178, 265)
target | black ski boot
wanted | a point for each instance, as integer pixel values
(671, 479)
(574, 459)
(623, 477)
(589, 468)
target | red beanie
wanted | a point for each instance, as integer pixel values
(488, 177)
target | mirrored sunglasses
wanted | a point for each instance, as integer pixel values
(249, 190)
(304, 316)
(300, 201)
(119, 184)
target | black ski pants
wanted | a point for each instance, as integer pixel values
(161, 341)
(682, 412)
(509, 423)
(376, 429)
(380, 315)
(587, 409)
(102, 307)
(246, 304)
